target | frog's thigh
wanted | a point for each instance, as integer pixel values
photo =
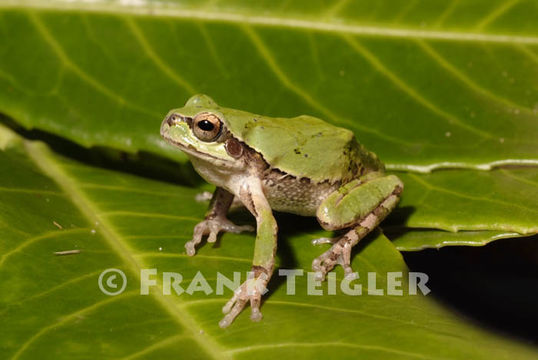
(359, 202)
(360, 207)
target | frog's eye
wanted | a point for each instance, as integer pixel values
(206, 126)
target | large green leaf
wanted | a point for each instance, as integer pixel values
(420, 239)
(474, 208)
(113, 90)
(51, 306)
(424, 84)
(500, 199)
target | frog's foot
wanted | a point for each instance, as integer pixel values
(251, 290)
(212, 227)
(339, 253)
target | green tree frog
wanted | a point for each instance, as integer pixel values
(299, 165)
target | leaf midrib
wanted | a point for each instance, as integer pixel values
(320, 25)
(44, 160)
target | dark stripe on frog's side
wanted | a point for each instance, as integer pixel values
(288, 193)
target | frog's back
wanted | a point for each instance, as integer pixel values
(304, 146)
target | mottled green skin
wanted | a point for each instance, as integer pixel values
(303, 146)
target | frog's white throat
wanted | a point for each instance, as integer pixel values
(218, 172)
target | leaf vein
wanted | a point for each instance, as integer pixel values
(147, 215)
(32, 240)
(305, 96)
(411, 92)
(496, 13)
(72, 316)
(159, 62)
(43, 158)
(69, 64)
(337, 344)
(445, 64)
(203, 14)
(155, 346)
(466, 196)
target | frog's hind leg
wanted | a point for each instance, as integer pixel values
(358, 206)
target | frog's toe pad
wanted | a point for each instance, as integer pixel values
(256, 315)
(325, 240)
(203, 196)
(190, 248)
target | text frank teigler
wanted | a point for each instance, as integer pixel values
(297, 281)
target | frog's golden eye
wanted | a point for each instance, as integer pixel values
(206, 126)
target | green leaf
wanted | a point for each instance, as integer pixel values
(501, 199)
(424, 85)
(420, 239)
(51, 306)
(109, 72)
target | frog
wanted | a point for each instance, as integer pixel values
(300, 165)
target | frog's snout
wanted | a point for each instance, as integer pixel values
(173, 119)
(169, 122)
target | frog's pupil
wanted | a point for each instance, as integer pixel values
(206, 125)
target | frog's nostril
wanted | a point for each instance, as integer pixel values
(172, 120)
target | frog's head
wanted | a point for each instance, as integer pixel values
(199, 130)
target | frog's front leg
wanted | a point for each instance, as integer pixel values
(252, 196)
(215, 221)
(359, 206)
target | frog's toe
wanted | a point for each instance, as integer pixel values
(234, 306)
(251, 290)
(203, 196)
(339, 253)
(229, 226)
(199, 230)
(190, 248)
(256, 315)
(326, 262)
(325, 240)
(222, 224)
(211, 228)
(344, 259)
